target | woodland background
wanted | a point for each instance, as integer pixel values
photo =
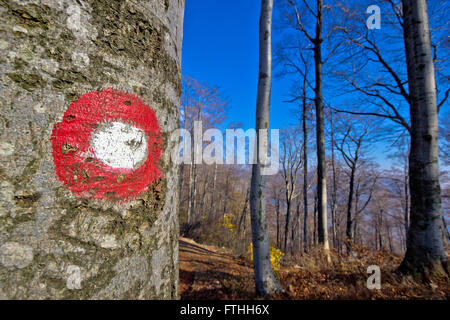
(366, 140)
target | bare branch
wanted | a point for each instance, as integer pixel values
(299, 22)
(393, 118)
(443, 100)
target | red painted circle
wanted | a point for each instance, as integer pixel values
(75, 162)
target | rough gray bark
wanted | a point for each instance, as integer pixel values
(425, 252)
(53, 51)
(265, 281)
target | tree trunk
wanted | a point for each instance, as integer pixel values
(446, 234)
(265, 281)
(204, 190)
(349, 230)
(193, 173)
(277, 211)
(305, 168)
(356, 215)
(315, 221)
(376, 233)
(380, 229)
(241, 226)
(288, 216)
(55, 244)
(321, 166)
(181, 174)
(334, 194)
(190, 191)
(225, 196)
(425, 252)
(193, 195)
(406, 190)
(213, 191)
(295, 229)
(388, 230)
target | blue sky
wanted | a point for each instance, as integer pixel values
(220, 46)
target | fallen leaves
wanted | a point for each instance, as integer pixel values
(212, 274)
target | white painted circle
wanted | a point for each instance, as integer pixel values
(120, 145)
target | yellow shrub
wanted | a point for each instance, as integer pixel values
(228, 222)
(275, 256)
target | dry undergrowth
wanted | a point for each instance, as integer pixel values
(207, 272)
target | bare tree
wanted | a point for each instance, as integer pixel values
(294, 59)
(399, 179)
(316, 41)
(425, 250)
(350, 148)
(264, 279)
(334, 190)
(276, 195)
(387, 92)
(366, 184)
(291, 161)
(445, 140)
(201, 103)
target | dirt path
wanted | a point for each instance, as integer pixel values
(206, 273)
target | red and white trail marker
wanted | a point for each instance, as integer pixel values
(107, 146)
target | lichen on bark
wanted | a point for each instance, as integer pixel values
(54, 245)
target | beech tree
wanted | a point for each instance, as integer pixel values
(57, 242)
(200, 102)
(316, 39)
(387, 91)
(264, 279)
(291, 162)
(349, 145)
(425, 250)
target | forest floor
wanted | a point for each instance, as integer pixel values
(210, 273)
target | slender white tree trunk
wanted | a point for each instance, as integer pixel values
(264, 279)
